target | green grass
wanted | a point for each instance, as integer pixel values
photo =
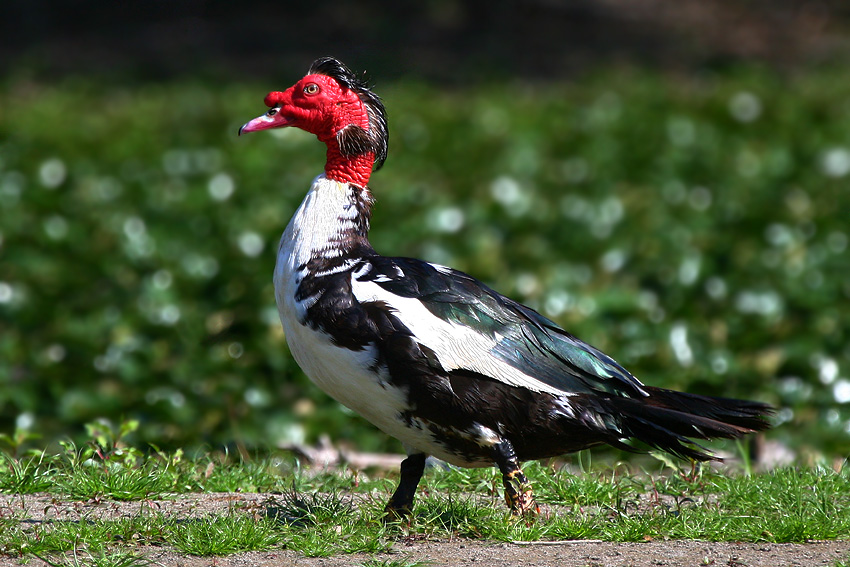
(100, 559)
(25, 476)
(91, 535)
(117, 482)
(315, 517)
(223, 535)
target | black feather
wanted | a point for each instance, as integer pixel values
(609, 405)
(352, 142)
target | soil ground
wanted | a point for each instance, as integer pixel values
(457, 552)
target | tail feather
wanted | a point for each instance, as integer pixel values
(747, 414)
(671, 420)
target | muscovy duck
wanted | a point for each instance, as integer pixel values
(431, 355)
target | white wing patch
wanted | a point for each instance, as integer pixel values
(456, 346)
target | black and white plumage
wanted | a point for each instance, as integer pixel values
(432, 356)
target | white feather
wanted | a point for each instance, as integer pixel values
(456, 346)
(310, 234)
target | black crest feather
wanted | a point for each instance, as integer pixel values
(354, 140)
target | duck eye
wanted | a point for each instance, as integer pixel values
(311, 89)
(272, 111)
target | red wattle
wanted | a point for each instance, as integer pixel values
(355, 169)
(274, 98)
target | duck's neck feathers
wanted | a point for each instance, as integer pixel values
(331, 226)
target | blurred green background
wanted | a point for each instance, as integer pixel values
(670, 181)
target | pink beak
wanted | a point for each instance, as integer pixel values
(267, 121)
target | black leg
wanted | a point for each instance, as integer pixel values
(401, 502)
(518, 493)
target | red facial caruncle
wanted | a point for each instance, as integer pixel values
(320, 105)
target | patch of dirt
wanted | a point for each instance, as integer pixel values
(45, 508)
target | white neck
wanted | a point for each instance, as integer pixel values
(326, 235)
(328, 222)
